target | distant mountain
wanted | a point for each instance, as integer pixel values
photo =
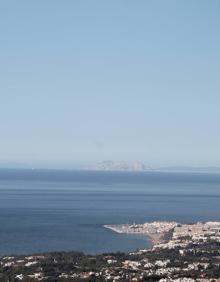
(110, 165)
(120, 166)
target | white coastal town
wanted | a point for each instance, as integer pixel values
(179, 253)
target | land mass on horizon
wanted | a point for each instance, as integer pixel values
(111, 165)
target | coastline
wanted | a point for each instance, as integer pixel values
(183, 258)
(154, 238)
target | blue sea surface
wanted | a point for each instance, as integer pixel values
(52, 210)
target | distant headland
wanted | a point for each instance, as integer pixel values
(110, 165)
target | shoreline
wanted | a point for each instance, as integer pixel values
(154, 238)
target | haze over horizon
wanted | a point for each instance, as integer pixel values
(82, 82)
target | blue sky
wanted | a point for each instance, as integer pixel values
(84, 81)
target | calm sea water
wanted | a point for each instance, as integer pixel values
(43, 210)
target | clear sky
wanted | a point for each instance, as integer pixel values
(85, 81)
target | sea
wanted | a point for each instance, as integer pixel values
(64, 210)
